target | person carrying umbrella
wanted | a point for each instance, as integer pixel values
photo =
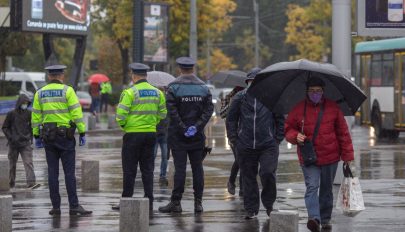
(331, 142)
(255, 132)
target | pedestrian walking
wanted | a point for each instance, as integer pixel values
(17, 129)
(106, 91)
(225, 104)
(56, 113)
(321, 121)
(255, 132)
(161, 141)
(95, 93)
(190, 108)
(140, 109)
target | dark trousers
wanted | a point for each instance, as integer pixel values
(180, 164)
(235, 170)
(104, 102)
(61, 149)
(249, 160)
(26, 156)
(138, 148)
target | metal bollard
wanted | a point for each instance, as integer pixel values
(112, 124)
(4, 175)
(6, 213)
(284, 221)
(90, 175)
(91, 122)
(134, 214)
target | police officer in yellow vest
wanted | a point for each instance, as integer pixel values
(140, 109)
(56, 113)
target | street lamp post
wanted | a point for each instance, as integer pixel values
(193, 30)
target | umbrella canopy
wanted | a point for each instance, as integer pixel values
(230, 77)
(98, 78)
(159, 79)
(282, 85)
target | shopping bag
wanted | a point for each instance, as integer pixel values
(350, 198)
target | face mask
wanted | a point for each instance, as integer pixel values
(24, 106)
(315, 97)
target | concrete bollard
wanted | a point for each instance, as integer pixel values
(134, 214)
(284, 221)
(170, 173)
(112, 124)
(91, 122)
(6, 213)
(4, 175)
(90, 175)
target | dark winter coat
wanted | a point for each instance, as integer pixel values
(17, 125)
(333, 142)
(253, 125)
(189, 103)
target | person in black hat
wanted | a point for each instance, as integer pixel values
(190, 107)
(140, 109)
(255, 132)
(56, 114)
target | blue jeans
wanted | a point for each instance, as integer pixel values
(162, 142)
(319, 178)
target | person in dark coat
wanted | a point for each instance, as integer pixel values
(333, 143)
(17, 129)
(255, 132)
(190, 107)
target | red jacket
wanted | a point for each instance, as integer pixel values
(333, 142)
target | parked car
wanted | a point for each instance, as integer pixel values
(84, 99)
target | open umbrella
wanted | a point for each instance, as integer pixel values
(98, 78)
(282, 85)
(230, 78)
(159, 79)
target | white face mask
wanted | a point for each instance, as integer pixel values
(24, 106)
(249, 83)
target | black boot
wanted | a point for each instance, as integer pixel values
(174, 206)
(79, 210)
(54, 212)
(198, 205)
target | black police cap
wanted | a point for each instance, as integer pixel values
(139, 68)
(55, 69)
(185, 62)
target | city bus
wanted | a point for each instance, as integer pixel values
(380, 73)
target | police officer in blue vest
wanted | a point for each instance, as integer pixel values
(190, 107)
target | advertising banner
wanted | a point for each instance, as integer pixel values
(381, 17)
(56, 16)
(155, 33)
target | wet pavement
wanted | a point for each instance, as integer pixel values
(380, 166)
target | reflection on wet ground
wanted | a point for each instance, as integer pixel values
(380, 165)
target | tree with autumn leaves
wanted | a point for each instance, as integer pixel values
(112, 20)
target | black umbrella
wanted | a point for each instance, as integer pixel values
(282, 85)
(230, 78)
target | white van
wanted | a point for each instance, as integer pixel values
(25, 82)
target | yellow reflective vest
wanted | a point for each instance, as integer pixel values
(56, 103)
(106, 88)
(141, 108)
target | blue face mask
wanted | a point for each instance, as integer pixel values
(24, 106)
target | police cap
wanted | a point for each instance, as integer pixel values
(139, 68)
(185, 62)
(55, 69)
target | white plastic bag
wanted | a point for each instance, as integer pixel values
(350, 198)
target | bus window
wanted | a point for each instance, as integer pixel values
(388, 73)
(375, 73)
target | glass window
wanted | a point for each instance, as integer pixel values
(388, 72)
(30, 87)
(376, 57)
(376, 79)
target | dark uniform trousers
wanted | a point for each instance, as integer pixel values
(249, 160)
(180, 164)
(138, 147)
(61, 149)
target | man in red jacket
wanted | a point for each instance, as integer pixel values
(333, 143)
